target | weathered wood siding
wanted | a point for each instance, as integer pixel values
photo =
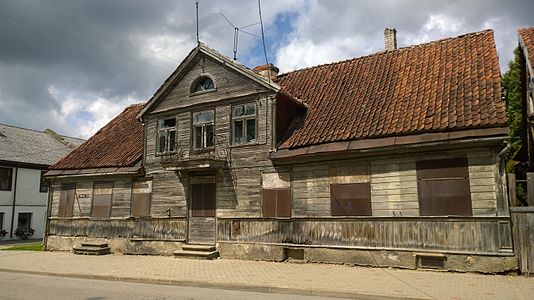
(484, 235)
(523, 227)
(159, 229)
(228, 83)
(121, 198)
(83, 201)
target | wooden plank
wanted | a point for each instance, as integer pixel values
(440, 234)
(530, 188)
(121, 228)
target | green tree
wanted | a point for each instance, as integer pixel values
(512, 86)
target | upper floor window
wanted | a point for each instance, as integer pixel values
(244, 124)
(202, 84)
(43, 187)
(166, 135)
(203, 133)
(5, 179)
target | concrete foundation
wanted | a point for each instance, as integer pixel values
(373, 258)
(117, 245)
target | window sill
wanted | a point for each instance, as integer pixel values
(202, 92)
(164, 154)
(244, 145)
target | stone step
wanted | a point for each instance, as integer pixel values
(198, 247)
(91, 250)
(197, 254)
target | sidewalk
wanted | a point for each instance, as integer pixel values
(307, 279)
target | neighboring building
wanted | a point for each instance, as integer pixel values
(391, 159)
(526, 54)
(25, 155)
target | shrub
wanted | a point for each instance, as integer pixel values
(24, 233)
(3, 232)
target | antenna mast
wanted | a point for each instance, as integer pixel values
(198, 39)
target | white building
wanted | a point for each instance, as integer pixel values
(24, 156)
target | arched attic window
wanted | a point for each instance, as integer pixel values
(202, 84)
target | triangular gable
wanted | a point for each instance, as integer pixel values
(213, 56)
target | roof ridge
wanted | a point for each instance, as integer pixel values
(475, 33)
(39, 131)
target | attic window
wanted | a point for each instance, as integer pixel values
(202, 84)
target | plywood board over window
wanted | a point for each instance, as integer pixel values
(141, 193)
(350, 190)
(276, 192)
(443, 187)
(66, 200)
(103, 192)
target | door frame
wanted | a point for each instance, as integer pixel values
(196, 178)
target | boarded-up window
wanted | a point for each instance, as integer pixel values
(276, 195)
(102, 200)
(350, 199)
(141, 191)
(203, 199)
(277, 203)
(443, 187)
(66, 200)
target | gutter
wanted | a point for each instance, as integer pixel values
(14, 202)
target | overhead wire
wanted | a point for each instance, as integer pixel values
(45, 12)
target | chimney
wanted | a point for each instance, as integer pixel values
(390, 38)
(268, 71)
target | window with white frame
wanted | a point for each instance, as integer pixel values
(166, 142)
(244, 124)
(203, 129)
(202, 84)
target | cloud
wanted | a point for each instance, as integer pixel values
(72, 65)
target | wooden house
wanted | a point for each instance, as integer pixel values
(526, 55)
(391, 159)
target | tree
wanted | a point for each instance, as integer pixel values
(512, 87)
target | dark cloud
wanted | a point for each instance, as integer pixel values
(71, 65)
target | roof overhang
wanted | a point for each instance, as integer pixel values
(488, 135)
(108, 171)
(524, 49)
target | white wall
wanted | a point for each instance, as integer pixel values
(29, 200)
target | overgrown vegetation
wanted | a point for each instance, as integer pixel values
(26, 247)
(512, 86)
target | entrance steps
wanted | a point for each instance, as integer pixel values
(92, 249)
(198, 251)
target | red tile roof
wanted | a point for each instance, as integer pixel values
(527, 35)
(446, 85)
(118, 144)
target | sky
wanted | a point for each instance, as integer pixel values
(72, 65)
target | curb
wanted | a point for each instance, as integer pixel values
(229, 286)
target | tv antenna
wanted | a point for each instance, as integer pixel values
(237, 30)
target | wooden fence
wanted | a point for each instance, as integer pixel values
(523, 221)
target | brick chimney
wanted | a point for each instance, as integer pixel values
(390, 38)
(268, 71)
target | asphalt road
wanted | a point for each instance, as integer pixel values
(29, 286)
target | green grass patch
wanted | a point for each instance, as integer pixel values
(26, 247)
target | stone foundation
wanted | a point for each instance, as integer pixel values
(373, 258)
(117, 245)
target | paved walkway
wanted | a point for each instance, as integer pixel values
(307, 279)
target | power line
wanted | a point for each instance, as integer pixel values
(262, 34)
(93, 31)
(236, 32)
(79, 41)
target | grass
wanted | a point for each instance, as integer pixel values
(27, 247)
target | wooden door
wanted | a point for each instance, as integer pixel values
(202, 211)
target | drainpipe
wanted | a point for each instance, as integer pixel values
(48, 213)
(14, 203)
(504, 150)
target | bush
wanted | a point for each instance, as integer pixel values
(24, 233)
(3, 232)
